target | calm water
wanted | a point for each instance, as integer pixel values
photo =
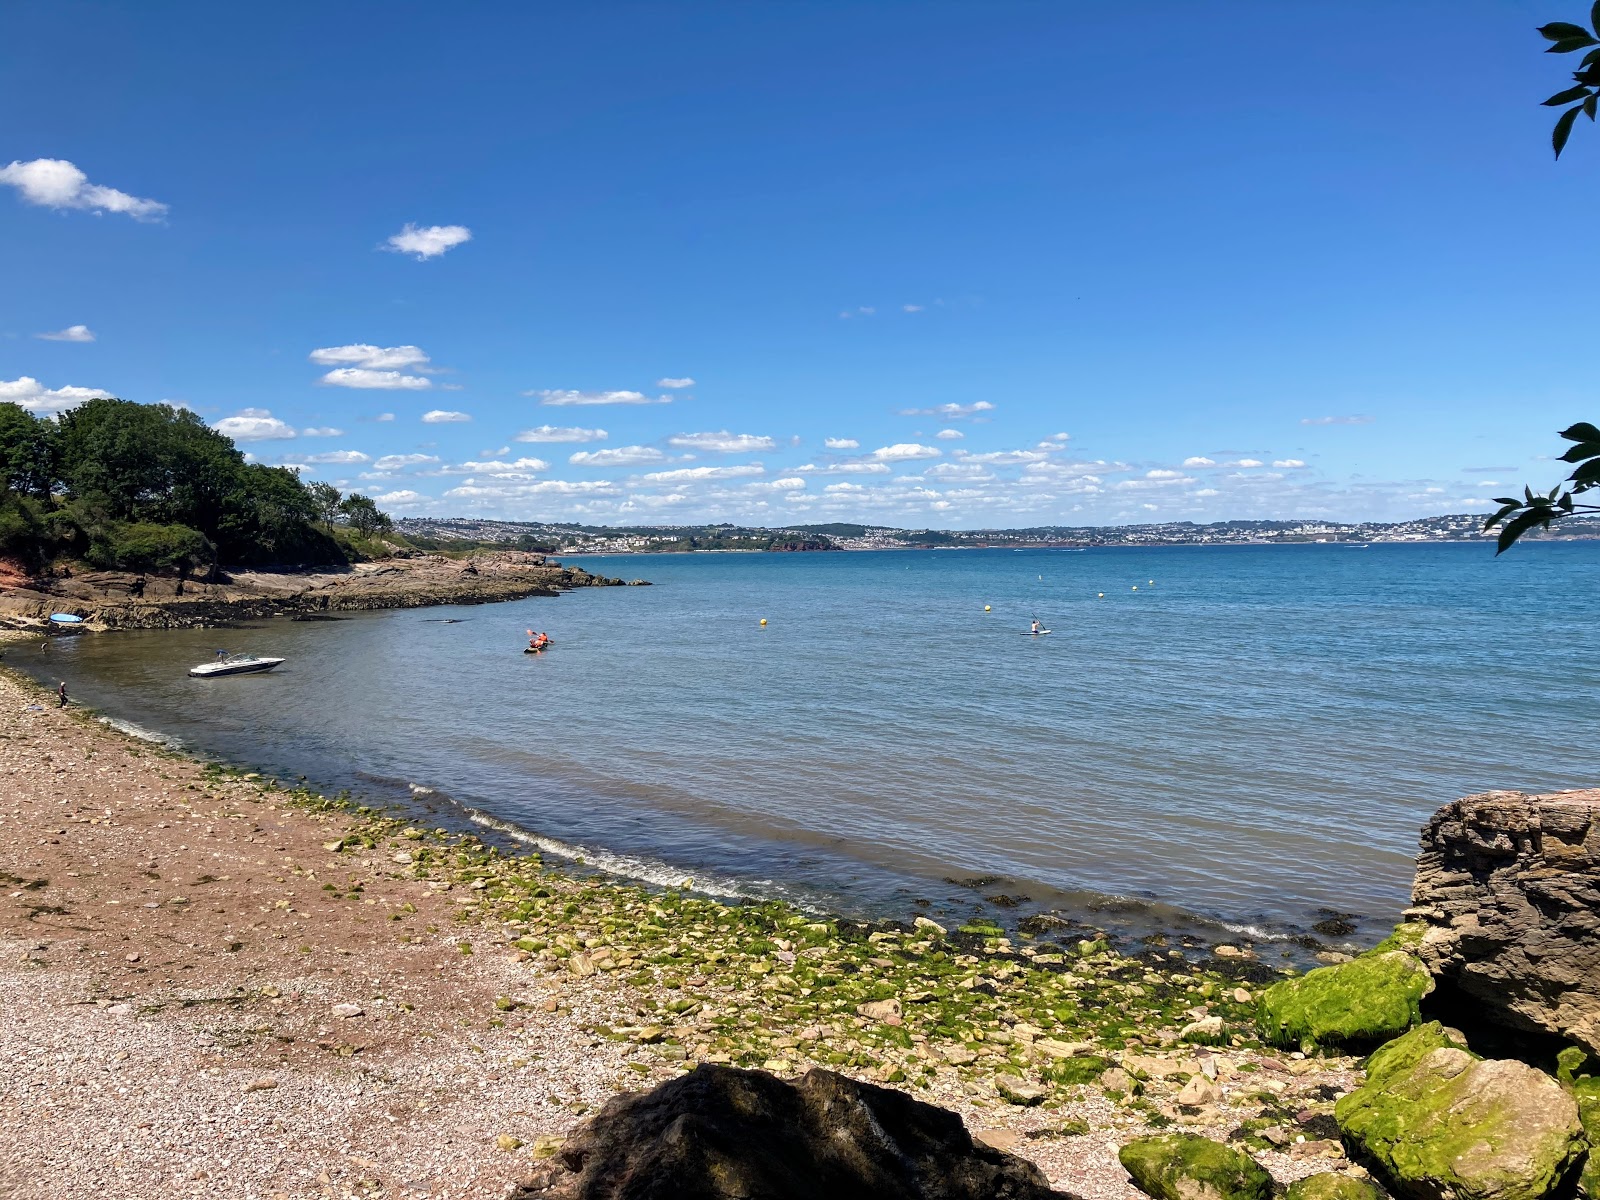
(1253, 738)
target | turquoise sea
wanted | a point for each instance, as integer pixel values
(1235, 741)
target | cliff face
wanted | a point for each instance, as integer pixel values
(1510, 886)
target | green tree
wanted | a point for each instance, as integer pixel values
(327, 499)
(27, 452)
(1584, 96)
(363, 515)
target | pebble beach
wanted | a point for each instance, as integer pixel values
(213, 984)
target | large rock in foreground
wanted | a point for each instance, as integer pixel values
(1510, 885)
(1353, 1006)
(1434, 1120)
(1186, 1166)
(719, 1133)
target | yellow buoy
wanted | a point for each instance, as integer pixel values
(763, 620)
(985, 608)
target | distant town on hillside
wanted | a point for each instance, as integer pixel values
(655, 539)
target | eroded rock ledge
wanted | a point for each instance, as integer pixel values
(1509, 885)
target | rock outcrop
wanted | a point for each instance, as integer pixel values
(1509, 885)
(1355, 1005)
(1435, 1120)
(1186, 1166)
(720, 1133)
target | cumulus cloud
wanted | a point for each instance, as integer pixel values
(949, 411)
(1199, 460)
(324, 431)
(428, 241)
(384, 417)
(865, 310)
(617, 456)
(1004, 458)
(904, 452)
(399, 499)
(670, 382)
(72, 333)
(841, 443)
(721, 442)
(362, 377)
(520, 468)
(1163, 474)
(1246, 462)
(569, 397)
(444, 416)
(338, 456)
(562, 433)
(1336, 420)
(847, 468)
(967, 471)
(398, 462)
(36, 398)
(57, 183)
(687, 474)
(544, 487)
(912, 307)
(949, 435)
(1288, 463)
(361, 354)
(255, 425)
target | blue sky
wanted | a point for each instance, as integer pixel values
(660, 255)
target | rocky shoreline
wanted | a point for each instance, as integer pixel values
(213, 982)
(120, 600)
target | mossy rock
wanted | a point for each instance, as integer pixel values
(1573, 1063)
(1433, 1119)
(1586, 1091)
(1186, 1166)
(1353, 1005)
(1329, 1186)
(1406, 936)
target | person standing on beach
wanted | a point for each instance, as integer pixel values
(62, 693)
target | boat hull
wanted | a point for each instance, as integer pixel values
(251, 667)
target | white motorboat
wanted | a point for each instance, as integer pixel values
(234, 664)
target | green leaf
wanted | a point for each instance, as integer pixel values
(1507, 500)
(1594, 16)
(1559, 135)
(1588, 473)
(1566, 97)
(1520, 526)
(1589, 107)
(1557, 30)
(1568, 45)
(1589, 59)
(1581, 432)
(1565, 503)
(1500, 516)
(1581, 451)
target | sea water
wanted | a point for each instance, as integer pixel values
(1243, 740)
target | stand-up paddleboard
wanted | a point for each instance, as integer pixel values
(1041, 633)
(66, 619)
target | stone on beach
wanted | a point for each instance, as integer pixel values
(1186, 1166)
(721, 1132)
(1435, 1120)
(1354, 1005)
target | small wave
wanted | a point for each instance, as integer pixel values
(625, 866)
(1256, 932)
(140, 732)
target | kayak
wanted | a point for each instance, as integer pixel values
(540, 649)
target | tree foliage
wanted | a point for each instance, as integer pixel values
(153, 487)
(1584, 96)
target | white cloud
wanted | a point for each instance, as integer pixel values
(1335, 420)
(57, 183)
(967, 471)
(841, 443)
(428, 241)
(362, 377)
(904, 452)
(399, 499)
(670, 382)
(864, 311)
(1199, 461)
(847, 468)
(1208, 492)
(911, 307)
(949, 435)
(36, 398)
(949, 411)
(721, 442)
(339, 456)
(380, 358)
(396, 462)
(72, 333)
(544, 487)
(1162, 474)
(617, 456)
(562, 433)
(1004, 458)
(685, 474)
(255, 425)
(792, 484)
(836, 488)
(562, 398)
(1246, 462)
(325, 431)
(442, 416)
(384, 417)
(1288, 463)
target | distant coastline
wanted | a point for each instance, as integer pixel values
(725, 538)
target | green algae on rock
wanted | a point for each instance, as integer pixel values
(1329, 1186)
(1435, 1120)
(1186, 1166)
(1355, 1004)
(1579, 1072)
